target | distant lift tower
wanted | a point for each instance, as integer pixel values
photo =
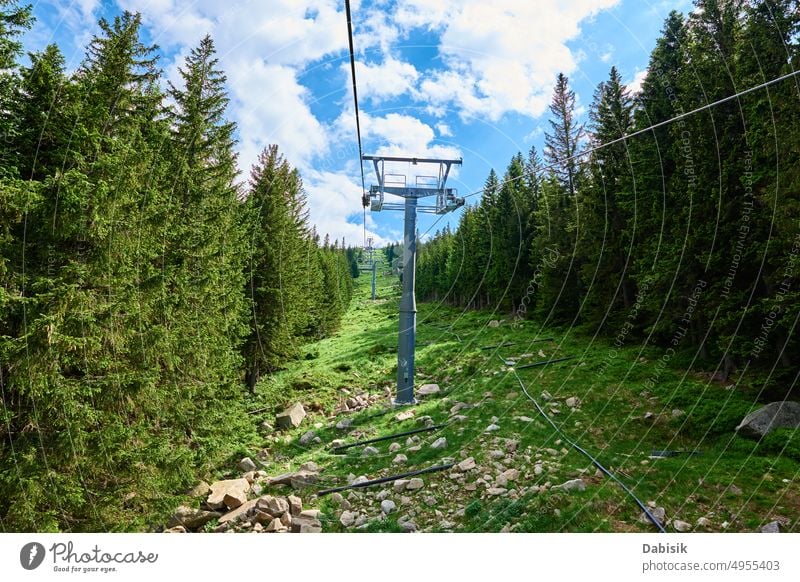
(446, 201)
(371, 265)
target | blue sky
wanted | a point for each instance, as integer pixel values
(443, 78)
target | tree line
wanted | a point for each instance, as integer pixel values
(687, 235)
(143, 288)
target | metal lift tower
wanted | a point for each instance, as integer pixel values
(446, 201)
(371, 265)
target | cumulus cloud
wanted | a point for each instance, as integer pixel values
(635, 84)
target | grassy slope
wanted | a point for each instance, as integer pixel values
(732, 480)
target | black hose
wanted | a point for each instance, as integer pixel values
(433, 469)
(388, 437)
(594, 461)
(543, 363)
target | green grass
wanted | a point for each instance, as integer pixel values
(731, 479)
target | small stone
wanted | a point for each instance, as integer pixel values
(458, 406)
(681, 526)
(344, 424)
(295, 504)
(439, 443)
(677, 413)
(414, 484)
(310, 514)
(388, 506)
(337, 497)
(202, 489)
(176, 529)
(467, 464)
(658, 512)
(291, 417)
(408, 526)
(405, 415)
(240, 513)
(496, 490)
(399, 459)
(430, 501)
(546, 395)
(359, 480)
(306, 525)
(400, 485)
(369, 452)
(415, 449)
(511, 474)
(348, 518)
(572, 485)
(308, 438)
(492, 428)
(427, 389)
(247, 464)
(230, 493)
(191, 518)
(286, 520)
(501, 481)
(310, 466)
(394, 447)
(275, 526)
(493, 323)
(382, 494)
(573, 402)
(275, 506)
(704, 522)
(771, 527)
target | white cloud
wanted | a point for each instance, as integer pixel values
(444, 130)
(376, 82)
(501, 56)
(635, 85)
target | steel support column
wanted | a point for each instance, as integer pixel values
(408, 309)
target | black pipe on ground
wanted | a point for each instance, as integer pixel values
(388, 437)
(544, 363)
(433, 469)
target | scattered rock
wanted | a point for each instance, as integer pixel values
(388, 506)
(400, 485)
(191, 518)
(176, 529)
(771, 527)
(291, 417)
(511, 474)
(247, 464)
(306, 525)
(458, 406)
(399, 459)
(369, 452)
(348, 518)
(681, 526)
(405, 415)
(414, 484)
(733, 489)
(275, 526)
(774, 415)
(275, 506)
(497, 491)
(439, 443)
(573, 402)
(658, 512)
(408, 526)
(467, 464)
(308, 438)
(677, 413)
(297, 479)
(546, 395)
(230, 493)
(493, 323)
(202, 489)
(427, 389)
(394, 447)
(359, 480)
(704, 522)
(266, 428)
(344, 424)
(240, 513)
(295, 504)
(425, 421)
(310, 514)
(572, 485)
(492, 428)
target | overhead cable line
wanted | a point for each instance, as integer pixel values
(646, 129)
(355, 102)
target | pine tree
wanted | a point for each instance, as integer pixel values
(563, 143)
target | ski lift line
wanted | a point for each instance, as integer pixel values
(649, 128)
(594, 461)
(355, 103)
